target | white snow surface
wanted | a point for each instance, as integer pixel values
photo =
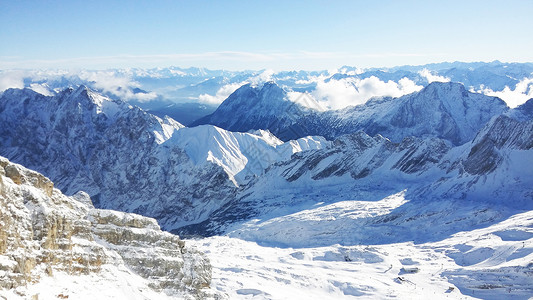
(112, 283)
(491, 262)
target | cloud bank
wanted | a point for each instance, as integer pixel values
(11, 79)
(338, 94)
(432, 77)
(115, 83)
(118, 84)
(220, 95)
(522, 92)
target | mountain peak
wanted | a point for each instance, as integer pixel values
(251, 108)
(19, 92)
(270, 84)
(86, 96)
(441, 88)
(249, 96)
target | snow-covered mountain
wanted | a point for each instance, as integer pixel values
(371, 218)
(53, 246)
(430, 190)
(130, 160)
(491, 169)
(495, 75)
(251, 108)
(444, 110)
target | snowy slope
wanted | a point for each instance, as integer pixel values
(492, 262)
(425, 220)
(241, 155)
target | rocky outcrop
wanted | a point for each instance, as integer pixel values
(502, 132)
(43, 232)
(360, 155)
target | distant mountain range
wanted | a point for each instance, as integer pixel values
(439, 141)
(444, 110)
(165, 90)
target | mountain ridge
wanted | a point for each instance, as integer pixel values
(440, 110)
(359, 166)
(131, 160)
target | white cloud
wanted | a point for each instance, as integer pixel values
(221, 94)
(118, 84)
(337, 94)
(261, 78)
(11, 79)
(432, 77)
(522, 92)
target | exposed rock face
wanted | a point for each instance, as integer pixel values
(502, 132)
(43, 232)
(522, 112)
(360, 155)
(85, 141)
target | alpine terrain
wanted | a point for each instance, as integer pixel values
(281, 192)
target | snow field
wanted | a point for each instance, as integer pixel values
(494, 262)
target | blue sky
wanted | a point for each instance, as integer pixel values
(261, 34)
